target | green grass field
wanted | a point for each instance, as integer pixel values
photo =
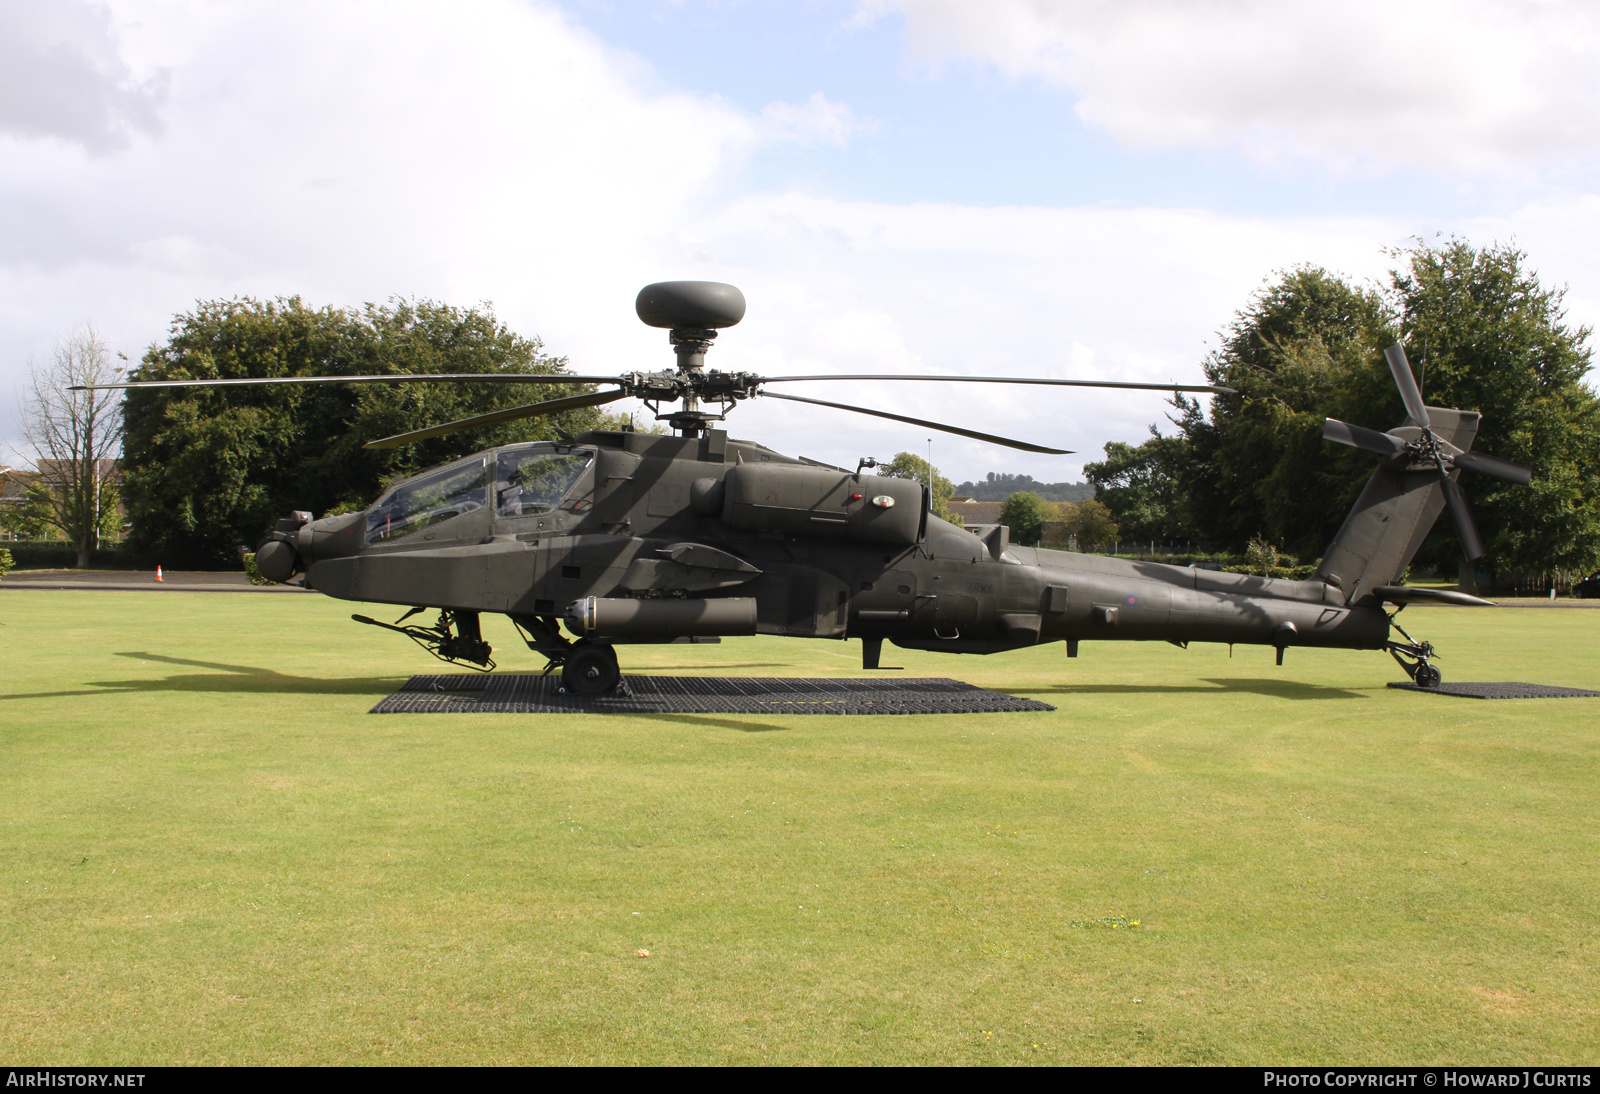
(211, 853)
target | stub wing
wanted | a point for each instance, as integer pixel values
(1407, 594)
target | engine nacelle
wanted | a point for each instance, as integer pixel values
(817, 502)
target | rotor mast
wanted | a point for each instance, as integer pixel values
(692, 312)
(691, 344)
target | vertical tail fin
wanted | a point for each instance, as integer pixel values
(1394, 513)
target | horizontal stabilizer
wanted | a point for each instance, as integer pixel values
(1410, 594)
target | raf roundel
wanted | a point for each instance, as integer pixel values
(1133, 602)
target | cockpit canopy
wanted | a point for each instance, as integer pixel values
(535, 478)
(528, 479)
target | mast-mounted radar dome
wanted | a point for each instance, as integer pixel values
(706, 305)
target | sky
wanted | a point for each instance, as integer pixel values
(1074, 189)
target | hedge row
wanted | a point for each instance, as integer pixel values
(55, 554)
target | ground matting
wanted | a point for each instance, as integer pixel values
(1504, 690)
(513, 694)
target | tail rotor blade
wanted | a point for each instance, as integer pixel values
(1407, 383)
(1466, 530)
(1356, 436)
(1495, 467)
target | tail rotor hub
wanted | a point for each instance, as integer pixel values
(1415, 447)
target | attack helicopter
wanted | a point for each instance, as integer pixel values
(610, 538)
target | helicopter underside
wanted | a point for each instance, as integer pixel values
(950, 598)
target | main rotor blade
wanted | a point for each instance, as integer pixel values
(1009, 380)
(532, 410)
(1495, 467)
(1361, 437)
(1407, 383)
(399, 378)
(1466, 530)
(974, 434)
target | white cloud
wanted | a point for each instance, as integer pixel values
(62, 76)
(1457, 86)
(497, 152)
(352, 152)
(819, 121)
(1081, 293)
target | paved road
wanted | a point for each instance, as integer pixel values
(182, 581)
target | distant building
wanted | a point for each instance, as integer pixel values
(60, 471)
(978, 512)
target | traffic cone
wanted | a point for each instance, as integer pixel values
(158, 573)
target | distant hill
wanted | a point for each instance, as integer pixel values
(1000, 487)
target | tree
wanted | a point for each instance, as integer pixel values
(909, 466)
(208, 470)
(1485, 335)
(33, 517)
(1261, 557)
(37, 516)
(1090, 522)
(1482, 334)
(76, 435)
(1141, 487)
(1025, 513)
(1308, 346)
(1000, 486)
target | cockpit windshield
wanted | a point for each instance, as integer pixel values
(429, 500)
(535, 478)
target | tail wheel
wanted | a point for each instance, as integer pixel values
(590, 669)
(1427, 676)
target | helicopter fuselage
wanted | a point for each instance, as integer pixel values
(633, 537)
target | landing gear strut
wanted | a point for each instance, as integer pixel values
(455, 638)
(1413, 657)
(587, 668)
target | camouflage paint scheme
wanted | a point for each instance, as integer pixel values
(707, 518)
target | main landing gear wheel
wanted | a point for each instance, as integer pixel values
(1427, 676)
(590, 669)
